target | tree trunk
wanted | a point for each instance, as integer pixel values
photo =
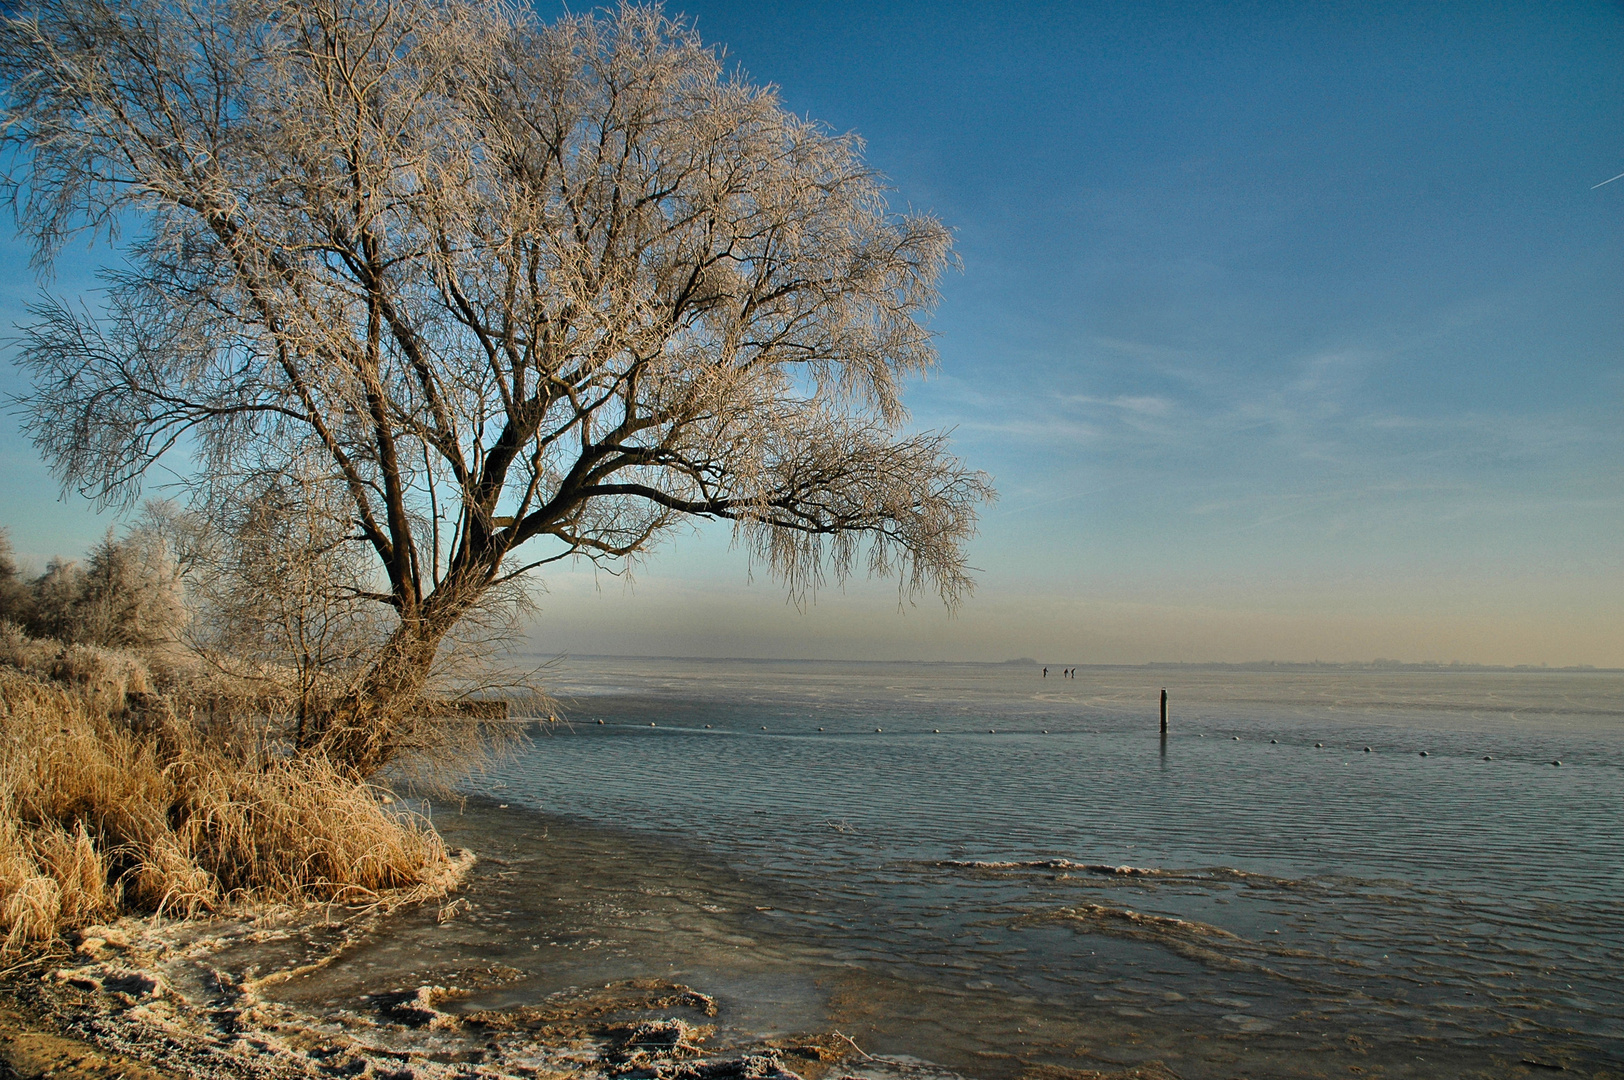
(360, 730)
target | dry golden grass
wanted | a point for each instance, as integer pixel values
(110, 803)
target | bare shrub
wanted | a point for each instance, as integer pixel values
(105, 678)
(283, 601)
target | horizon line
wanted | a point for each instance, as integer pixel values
(1378, 664)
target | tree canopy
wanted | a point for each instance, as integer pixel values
(502, 292)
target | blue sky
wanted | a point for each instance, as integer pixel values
(1286, 331)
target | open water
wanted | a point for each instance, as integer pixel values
(977, 868)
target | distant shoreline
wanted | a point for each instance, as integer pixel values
(1153, 665)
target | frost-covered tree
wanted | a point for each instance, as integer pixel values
(127, 595)
(130, 594)
(526, 292)
(15, 603)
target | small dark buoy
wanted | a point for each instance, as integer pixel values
(763, 727)
(989, 731)
(1423, 753)
(1046, 731)
(1556, 763)
(938, 731)
(1486, 757)
(1367, 749)
(707, 727)
(820, 729)
(878, 729)
(1319, 745)
(1237, 738)
(600, 721)
(1275, 741)
(651, 723)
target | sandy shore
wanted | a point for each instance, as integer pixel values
(140, 1000)
(30, 1047)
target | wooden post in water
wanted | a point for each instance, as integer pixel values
(1164, 712)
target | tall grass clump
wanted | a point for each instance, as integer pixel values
(112, 803)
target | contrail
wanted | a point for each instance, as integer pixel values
(1620, 176)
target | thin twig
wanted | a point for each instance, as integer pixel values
(854, 1045)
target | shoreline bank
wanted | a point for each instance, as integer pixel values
(329, 992)
(140, 998)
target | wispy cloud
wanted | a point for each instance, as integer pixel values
(1138, 404)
